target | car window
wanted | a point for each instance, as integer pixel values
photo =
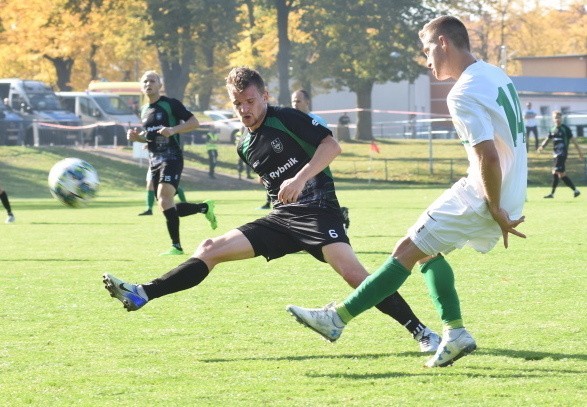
(68, 103)
(216, 116)
(113, 105)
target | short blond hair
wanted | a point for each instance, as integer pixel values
(153, 73)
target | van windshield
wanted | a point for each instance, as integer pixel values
(44, 101)
(113, 105)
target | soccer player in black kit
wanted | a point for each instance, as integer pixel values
(561, 136)
(291, 153)
(161, 119)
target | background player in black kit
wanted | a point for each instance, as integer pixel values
(161, 119)
(561, 135)
(291, 154)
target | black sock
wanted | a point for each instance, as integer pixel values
(396, 307)
(173, 226)
(186, 275)
(569, 183)
(554, 183)
(186, 208)
(5, 202)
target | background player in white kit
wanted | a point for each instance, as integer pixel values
(476, 211)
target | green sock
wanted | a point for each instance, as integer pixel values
(440, 280)
(181, 194)
(379, 285)
(150, 199)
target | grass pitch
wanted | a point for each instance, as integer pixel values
(229, 342)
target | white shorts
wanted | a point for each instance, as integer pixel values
(149, 176)
(450, 223)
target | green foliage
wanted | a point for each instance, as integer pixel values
(357, 38)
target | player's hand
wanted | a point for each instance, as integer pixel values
(132, 134)
(290, 190)
(507, 225)
(166, 132)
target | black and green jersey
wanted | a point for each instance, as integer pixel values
(280, 147)
(165, 112)
(560, 136)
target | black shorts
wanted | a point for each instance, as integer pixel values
(166, 172)
(559, 163)
(292, 229)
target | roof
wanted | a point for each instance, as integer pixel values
(566, 56)
(85, 93)
(543, 84)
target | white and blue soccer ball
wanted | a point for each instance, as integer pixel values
(73, 182)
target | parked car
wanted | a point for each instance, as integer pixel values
(96, 107)
(226, 126)
(46, 121)
(11, 127)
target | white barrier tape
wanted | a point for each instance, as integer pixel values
(88, 126)
(380, 111)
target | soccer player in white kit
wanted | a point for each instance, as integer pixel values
(475, 212)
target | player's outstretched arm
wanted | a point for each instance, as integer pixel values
(491, 176)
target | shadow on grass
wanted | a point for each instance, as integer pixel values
(531, 355)
(301, 357)
(510, 353)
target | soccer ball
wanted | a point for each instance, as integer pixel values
(73, 182)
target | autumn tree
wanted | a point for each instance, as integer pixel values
(523, 28)
(216, 30)
(43, 31)
(356, 41)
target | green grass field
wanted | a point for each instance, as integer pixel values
(229, 342)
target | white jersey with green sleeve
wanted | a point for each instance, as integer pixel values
(484, 105)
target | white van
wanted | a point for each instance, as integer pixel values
(130, 92)
(107, 115)
(45, 120)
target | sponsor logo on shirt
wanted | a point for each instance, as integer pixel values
(283, 168)
(154, 128)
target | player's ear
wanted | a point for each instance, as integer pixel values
(442, 42)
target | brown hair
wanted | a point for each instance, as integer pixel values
(450, 27)
(242, 77)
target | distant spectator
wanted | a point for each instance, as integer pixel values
(212, 148)
(531, 125)
(342, 130)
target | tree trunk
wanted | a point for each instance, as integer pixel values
(176, 70)
(252, 38)
(364, 118)
(63, 67)
(92, 62)
(207, 85)
(283, 55)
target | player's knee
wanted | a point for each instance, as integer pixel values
(205, 247)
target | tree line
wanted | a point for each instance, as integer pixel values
(314, 44)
